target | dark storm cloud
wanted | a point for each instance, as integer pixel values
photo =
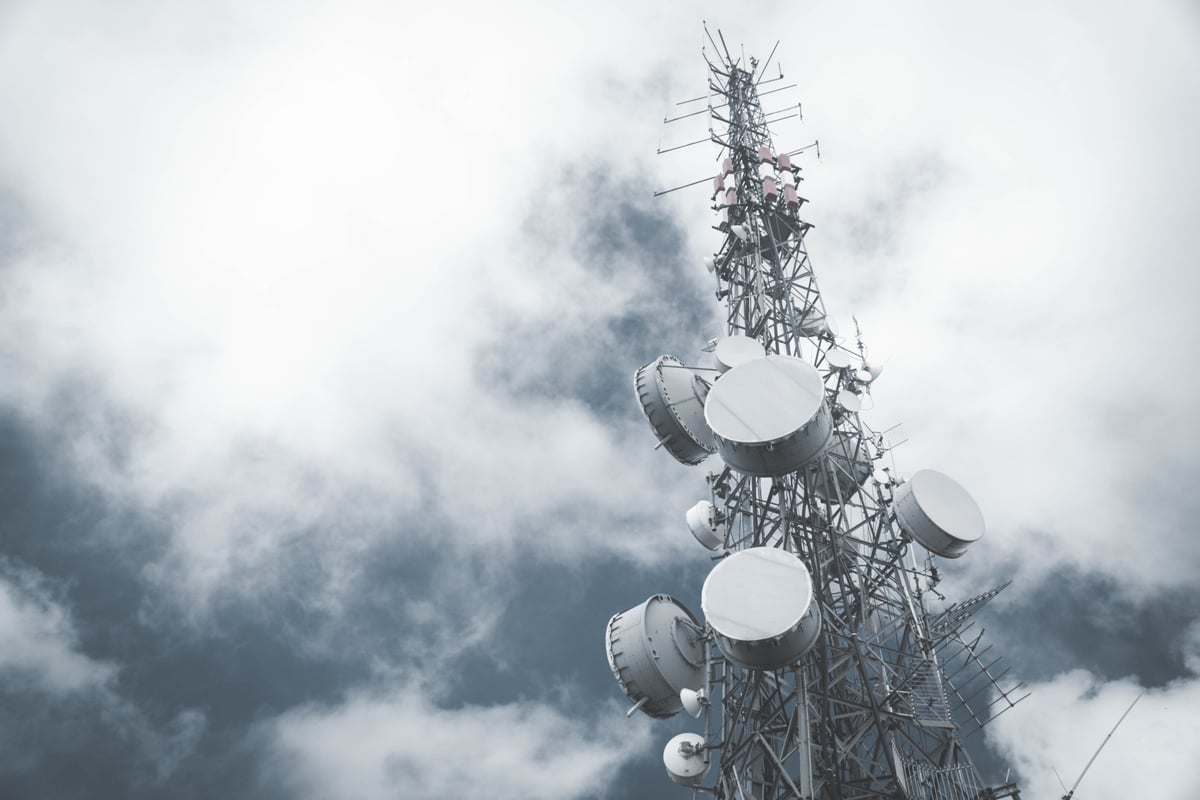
(292, 452)
(622, 237)
(255, 660)
(1085, 621)
(136, 735)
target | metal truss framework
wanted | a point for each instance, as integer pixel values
(874, 710)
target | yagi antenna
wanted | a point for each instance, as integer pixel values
(778, 499)
(1071, 792)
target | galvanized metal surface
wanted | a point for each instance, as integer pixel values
(873, 709)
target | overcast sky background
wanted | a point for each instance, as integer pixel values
(320, 472)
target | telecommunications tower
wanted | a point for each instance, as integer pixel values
(817, 670)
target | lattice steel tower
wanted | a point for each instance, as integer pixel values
(818, 669)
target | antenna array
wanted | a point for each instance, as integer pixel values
(818, 672)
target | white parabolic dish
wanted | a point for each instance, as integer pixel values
(849, 401)
(684, 759)
(768, 416)
(700, 521)
(759, 602)
(733, 351)
(938, 513)
(837, 359)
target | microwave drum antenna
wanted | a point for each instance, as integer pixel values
(672, 398)
(768, 416)
(654, 651)
(938, 513)
(759, 604)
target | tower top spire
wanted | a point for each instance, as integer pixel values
(818, 672)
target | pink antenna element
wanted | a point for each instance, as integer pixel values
(790, 197)
(823, 669)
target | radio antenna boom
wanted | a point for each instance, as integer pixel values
(1087, 766)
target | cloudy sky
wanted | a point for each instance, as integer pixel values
(320, 472)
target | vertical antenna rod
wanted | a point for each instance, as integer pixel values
(824, 676)
(1088, 766)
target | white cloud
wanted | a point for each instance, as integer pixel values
(1155, 752)
(399, 743)
(278, 241)
(43, 658)
(271, 240)
(277, 254)
(41, 645)
(1032, 277)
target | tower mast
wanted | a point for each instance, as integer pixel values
(819, 671)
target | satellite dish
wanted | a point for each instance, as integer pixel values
(837, 358)
(702, 522)
(693, 701)
(768, 416)
(873, 370)
(881, 477)
(734, 350)
(710, 263)
(849, 401)
(759, 604)
(684, 759)
(671, 397)
(938, 513)
(863, 376)
(654, 651)
(740, 232)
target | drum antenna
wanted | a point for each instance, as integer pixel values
(810, 608)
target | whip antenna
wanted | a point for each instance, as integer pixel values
(1087, 766)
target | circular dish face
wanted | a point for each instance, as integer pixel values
(947, 504)
(757, 594)
(837, 359)
(734, 350)
(684, 759)
(849, 400)
(764, 400)
(700, 522)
